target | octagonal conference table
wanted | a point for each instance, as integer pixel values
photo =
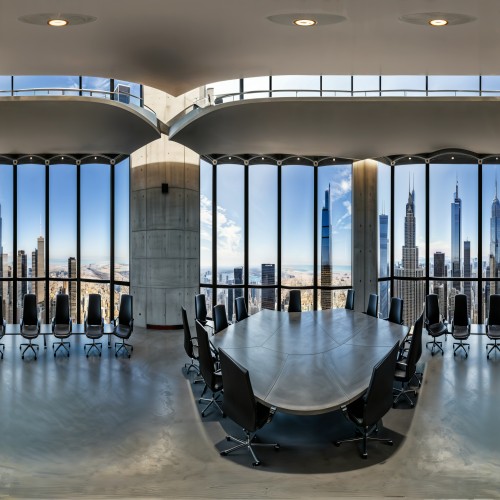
(311, 362)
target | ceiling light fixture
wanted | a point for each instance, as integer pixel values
(438, 22)
(57, 23)
(305, 22)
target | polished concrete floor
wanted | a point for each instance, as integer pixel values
(107, 427)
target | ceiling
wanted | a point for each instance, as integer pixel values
(177, 45)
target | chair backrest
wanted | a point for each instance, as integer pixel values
(396, 311)
(200, 308)
(220, 318)
(30, 315)
(126, 314)
(188, 345)
(372, 308)
(494, 314)
(241, 309)
(415, 349)
(205, 359)
(349, 301)
(61, 316)
(295, 304)
(94, 309)
(460, 316)
(379, 398)
(239, 399)
(432, 309)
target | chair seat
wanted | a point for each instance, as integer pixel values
(460, 332)
(400, 373)
(355, 410)
(62, 331)
(437, 329)
(29, 331)
(493, 331)
(122, 331)
(94, 331)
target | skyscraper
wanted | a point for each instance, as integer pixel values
(456, 238)
(440, 288)
(268, 299)
(72, 286)
(326, 252)
(383, 264)
(412, 292)
(22, 286)
(467, 274)
(40, 270)
(494, 247)
(1, 245)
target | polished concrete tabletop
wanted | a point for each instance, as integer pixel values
(312, 362)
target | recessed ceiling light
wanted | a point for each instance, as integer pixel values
(57, 23)
(452, 157)
(438, 22)
(305, 22)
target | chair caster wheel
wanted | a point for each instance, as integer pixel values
(394, 405)
(87, 355)
(336, 443)
(129, 356)
(203, 415)
(415, 393)
(99, 354)
(412, 405)
(223, 415)
(131, 348)
(223, 453)
(54, 355)
(116, 355)
(22, 356)
(276, 447)
(364, 456)
(228, 438)
(390, 443)
(256, 464)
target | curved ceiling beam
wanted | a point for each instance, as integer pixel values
(354, 128)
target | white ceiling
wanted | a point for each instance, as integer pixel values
(177, 45)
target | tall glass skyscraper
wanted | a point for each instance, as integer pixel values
(268, 297)
(440, 288)
(412, 292)
(326, 251)
(456, 238)
(383, 264)
(467, 274)
(494, 266)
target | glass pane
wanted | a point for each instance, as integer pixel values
(227, 296)
(452, 85)
(95, 221)
(230, 224)
(297, 225)
(409, 237)
(297, 85)
(205, 222)
(366, 85)
(334, 229)
(338, 299)
(261, 298)
(453, 235)
(306, 299)
(263, 221)
(100, 288)
(127, 92)
(119, 291)
(7, 301)
(122, 218)
(404, 85)
(490, 86)
(336, 85)
(6, 220)
(62, 227)
(58, 85)
(31, 232)
(226, 91)
(384, 231)
(96, 87)
(67, 287)
(5, 86)
(253, 85)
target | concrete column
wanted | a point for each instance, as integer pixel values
(364, 232)
(164, 227)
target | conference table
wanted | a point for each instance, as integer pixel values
(311, 362)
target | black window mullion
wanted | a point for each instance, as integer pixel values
(78, 241)
(214, 233)
(392, 228)
(246, 230)
(315, 236)
(427, 232)
(112, 167)
(278, 271)
(14, 256)
(480, 242)
(47, 245)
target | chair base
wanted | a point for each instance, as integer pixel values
(398, 393)
(247, 443)
(93, 345)
(435, 344)
(63, 345)
(461, 345)
(29, 345)
(123, 345)
(214, 400)
(365, 437)
(494, 347)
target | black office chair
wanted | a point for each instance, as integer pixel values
(124, 324)
(349, 301)
(209, 370)
(2, 326)
(372, 305)
(367, 410)
(30, 326)
(493, 324)
(200, 308)
(434, 324)
(94, 324)
(406, 369)
(220, 318)
(396, 311)
(295, 304)
(61, 323)
(241, 309)
(240, 405)
(190, 344)
(460, 326)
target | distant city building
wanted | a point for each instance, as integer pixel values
(268, 273)
(326, 252)
(1, 246)
(72, 286)
(494, 266)
(456, 239)
(383, 271)
(467, 274)
(22, 286)
(440, 288)
(412, 292)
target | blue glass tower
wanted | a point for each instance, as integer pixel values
(456, 238)
(494, 245)
(383, 264)
(326, 252)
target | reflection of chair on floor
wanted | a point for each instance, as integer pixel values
(30, 326)
(61, 323)
(94, 324)
(190, 346)
(240, 405)
(367, 410)
(208, 368)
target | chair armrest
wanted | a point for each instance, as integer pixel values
(115, 322)
(70, 325)
(21, 323)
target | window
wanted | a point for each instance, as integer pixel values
(453, 85)
(404, 85)
(384, 232)
(122, 219)
(336, 86)
(366, 85)
(205, 222)
(6, 241)
(252, 85)
(55, 85)
(295, 86)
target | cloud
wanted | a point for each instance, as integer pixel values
(344, 222)
(342, 183)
